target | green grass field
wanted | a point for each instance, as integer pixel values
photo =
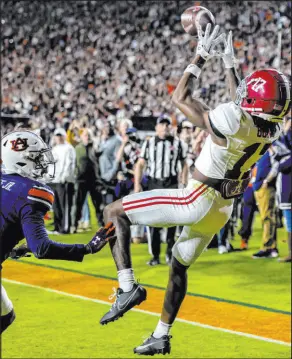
(57, 325)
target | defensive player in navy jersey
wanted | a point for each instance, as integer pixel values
(27, 164)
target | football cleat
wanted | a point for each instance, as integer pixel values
(124, 302)
(153, 262)
(268, 253)
(152, 346)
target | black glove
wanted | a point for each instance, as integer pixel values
(21, 251)
(100, 239)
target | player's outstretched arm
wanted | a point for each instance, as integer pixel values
(44, 248)
(195, 110)
(192, 108)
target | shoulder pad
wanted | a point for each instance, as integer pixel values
(226, 118)
(41, 194)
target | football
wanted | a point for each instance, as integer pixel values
(196, 16)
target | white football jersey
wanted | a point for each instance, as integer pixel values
(245, 144)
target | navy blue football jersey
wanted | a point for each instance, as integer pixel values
(24, 202)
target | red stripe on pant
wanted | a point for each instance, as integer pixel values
(167, 202)
(164, 197)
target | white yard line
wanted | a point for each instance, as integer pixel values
(269, 340)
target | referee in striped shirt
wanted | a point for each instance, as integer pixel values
(165, 159)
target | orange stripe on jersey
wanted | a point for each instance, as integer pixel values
(41, 194)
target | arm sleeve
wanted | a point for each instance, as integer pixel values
(225, 118)
(37, 239)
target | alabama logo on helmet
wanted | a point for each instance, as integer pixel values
(265, 93)
(20, 144)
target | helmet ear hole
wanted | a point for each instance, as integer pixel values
(249, 101)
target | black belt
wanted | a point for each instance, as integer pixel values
(228, 188)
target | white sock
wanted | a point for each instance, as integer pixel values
(126, 279)
(161, 329)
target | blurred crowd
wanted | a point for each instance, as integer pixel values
(65, 60)
(81, 70)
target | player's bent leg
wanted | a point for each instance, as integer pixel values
(129, 292)
(159, 341)
(7, 311)
(186, 250)
(185, 253)
(157, 208)
(121, 246)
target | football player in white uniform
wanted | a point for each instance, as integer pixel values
(239, 134)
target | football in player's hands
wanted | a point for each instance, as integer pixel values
(100, 239)
(195, 17)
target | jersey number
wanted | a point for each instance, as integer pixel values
(248, 153)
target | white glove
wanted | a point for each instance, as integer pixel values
(207, 42)
(228, 55)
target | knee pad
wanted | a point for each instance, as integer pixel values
(186, 250)
(7, 320)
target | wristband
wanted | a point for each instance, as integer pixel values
(194, 70)
(87, 249)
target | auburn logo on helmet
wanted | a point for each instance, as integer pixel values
(20, 144)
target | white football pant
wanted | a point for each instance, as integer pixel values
(199, 208)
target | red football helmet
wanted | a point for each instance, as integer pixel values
(266, 94)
